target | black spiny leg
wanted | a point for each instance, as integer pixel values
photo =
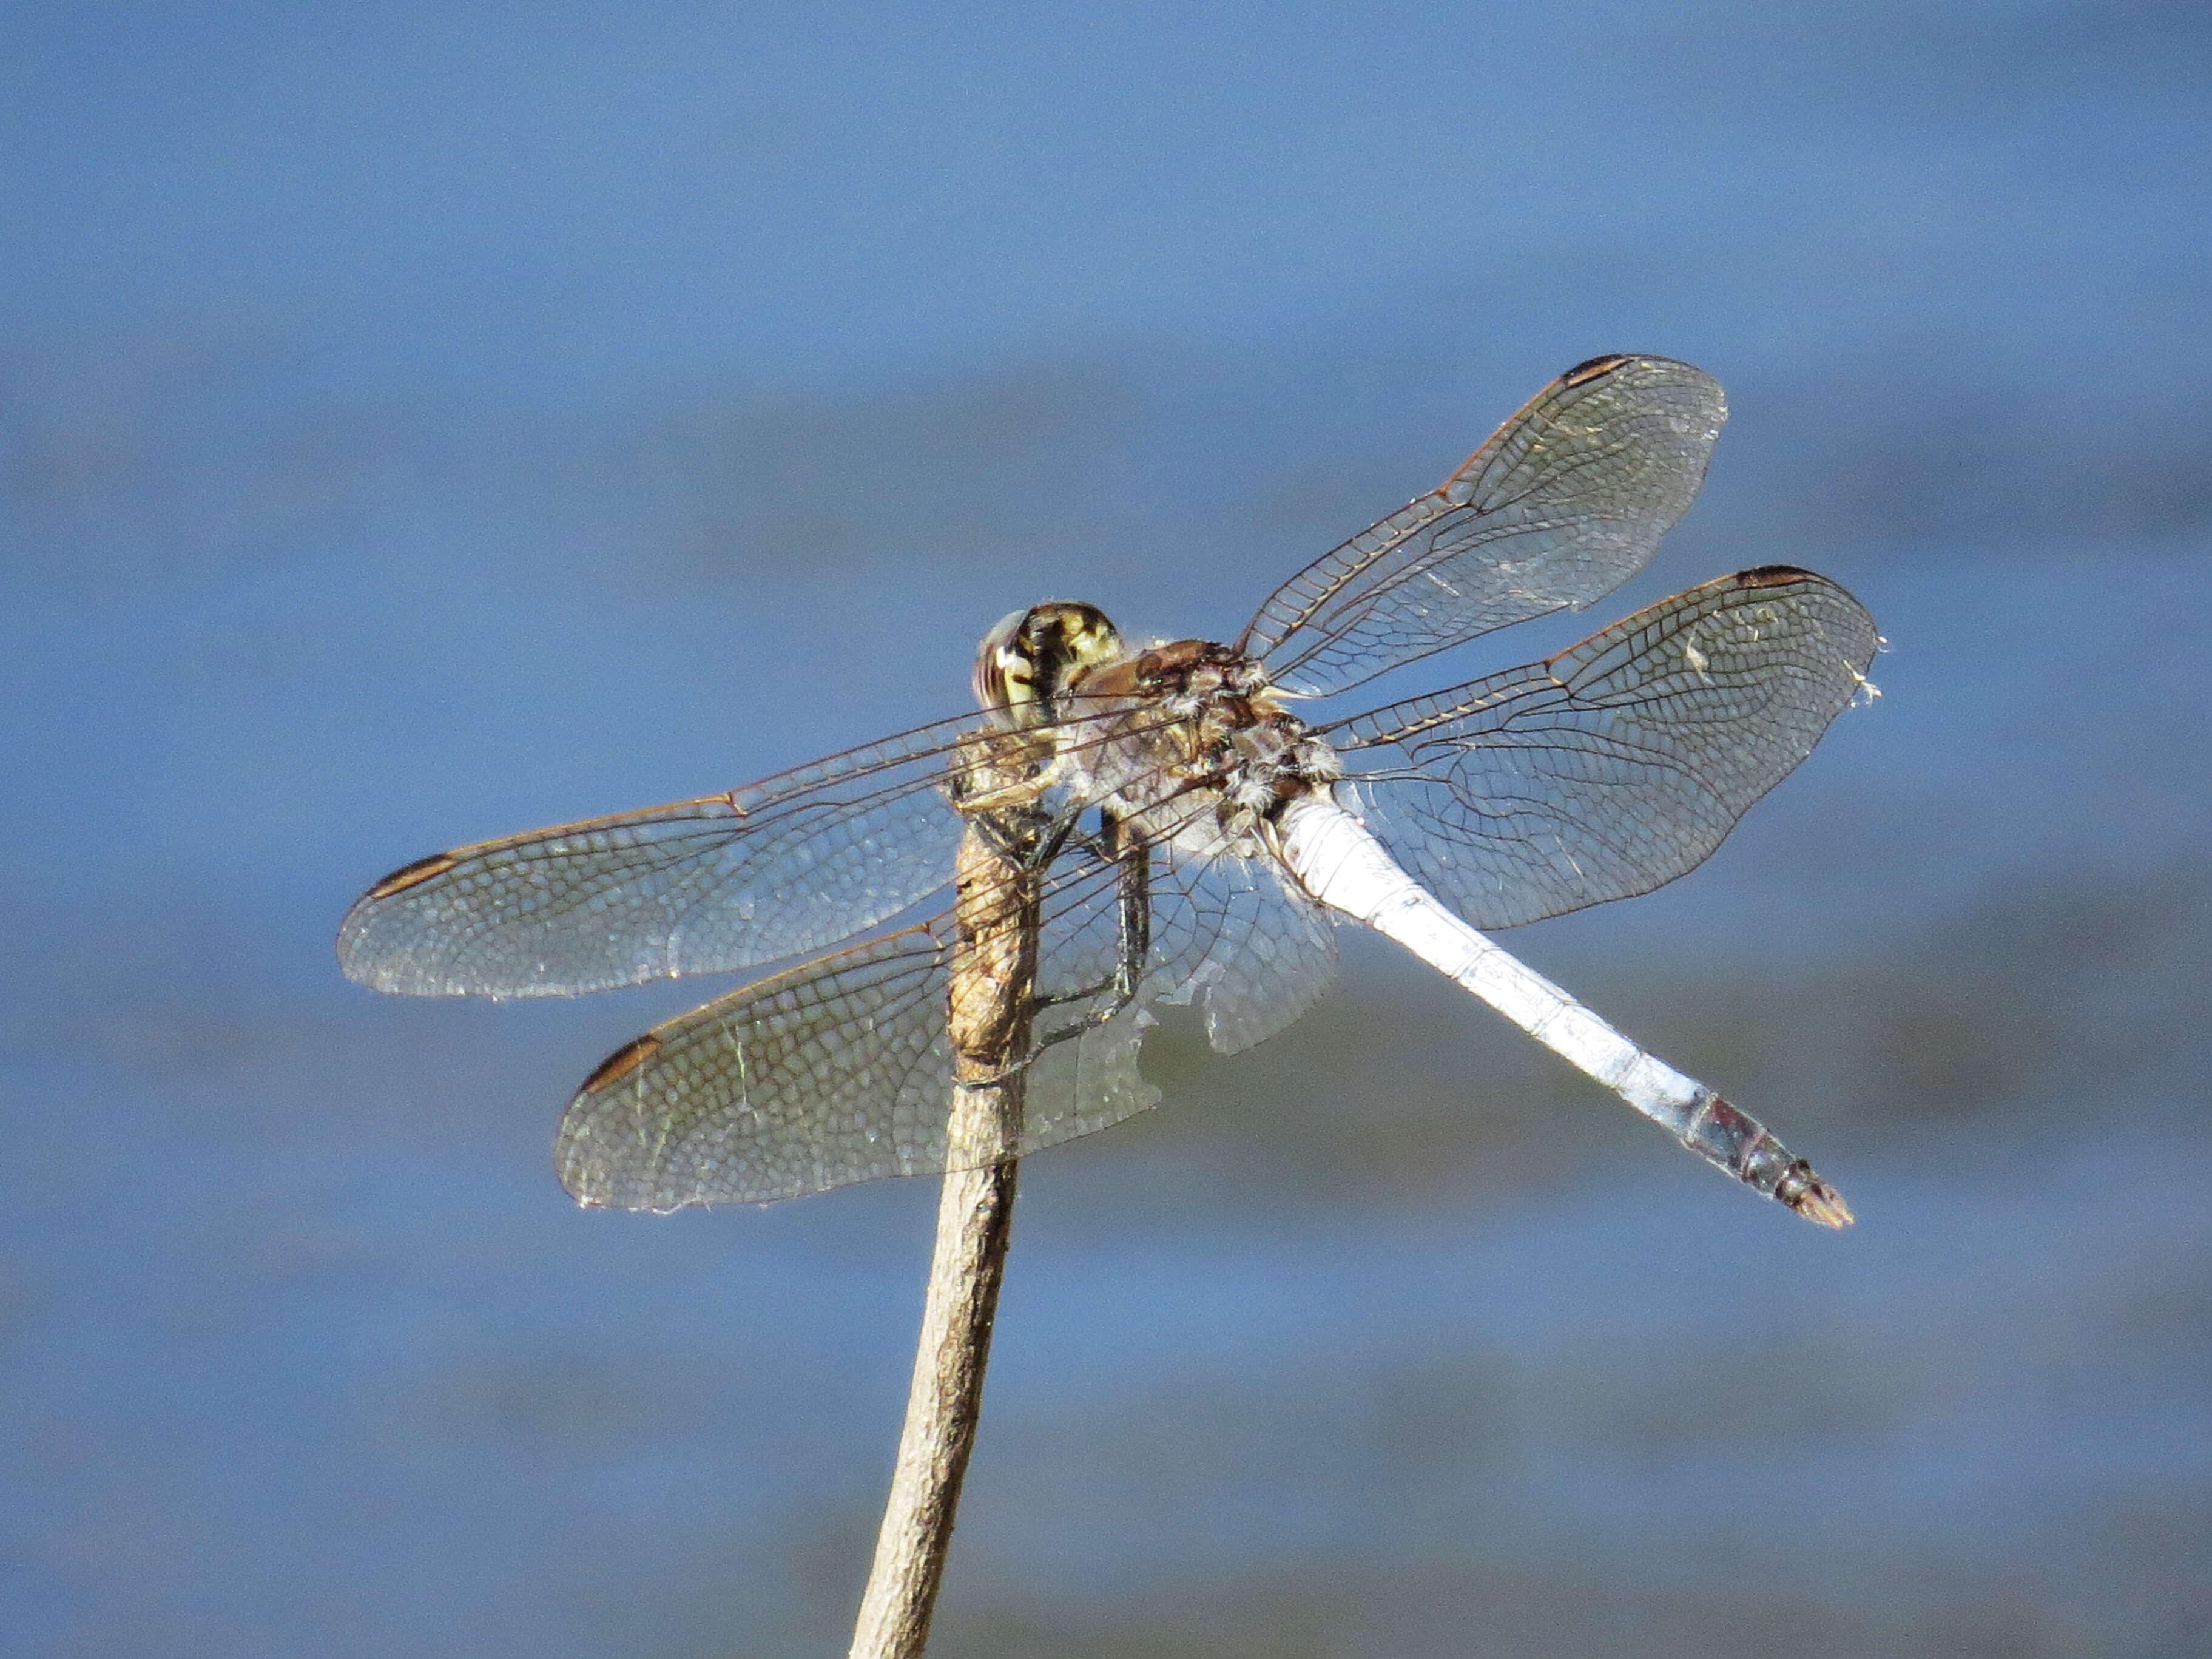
(1133, 893)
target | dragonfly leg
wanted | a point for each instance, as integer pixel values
(1028, 837)
(1013, 835)
(1133, 895)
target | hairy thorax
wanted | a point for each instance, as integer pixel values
(1184, 743)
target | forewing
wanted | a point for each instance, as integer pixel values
(1619, 764)
(776, 869)
(1565, 502)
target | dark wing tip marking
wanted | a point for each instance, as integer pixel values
(1772, 575)
(410, 875)
(620, 1063)
(1592, 368)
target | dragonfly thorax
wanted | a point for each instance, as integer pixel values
(1187, 743)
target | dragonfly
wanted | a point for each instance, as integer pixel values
(1128, 827)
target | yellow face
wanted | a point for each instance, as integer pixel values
(1033, 655)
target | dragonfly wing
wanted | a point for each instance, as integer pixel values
(1249, 950)
(776, 869)
(1088, 1081)
(838, 1071)
(1227, 938)
(1565, 502)
(1619, 764)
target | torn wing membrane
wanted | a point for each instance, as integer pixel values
(1566, 501)
(777, 869)
(1619, 764)
(839, 1071)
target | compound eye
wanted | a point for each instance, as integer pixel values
(1004, 666)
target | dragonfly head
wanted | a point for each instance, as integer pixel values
(1033, 655)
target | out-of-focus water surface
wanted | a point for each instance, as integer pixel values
(418, 424)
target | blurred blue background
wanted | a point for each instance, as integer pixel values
(423, 421)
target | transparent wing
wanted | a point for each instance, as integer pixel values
(839, 1071)
(776, 869)
(1619, 764)
(1249, 952)
(1565, 502)
(1228, 938)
